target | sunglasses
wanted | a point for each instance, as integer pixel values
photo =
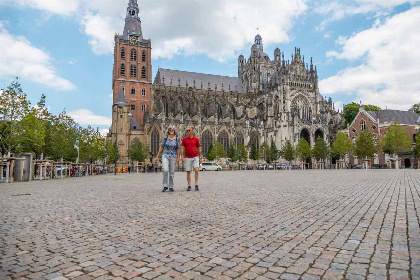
(189, 130)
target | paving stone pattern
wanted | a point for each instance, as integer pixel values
(351, 224)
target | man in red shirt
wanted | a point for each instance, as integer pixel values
(191, 155)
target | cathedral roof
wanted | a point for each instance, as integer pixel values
(134, 125)
(164, 76)
(388, 116)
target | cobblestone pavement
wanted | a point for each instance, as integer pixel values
(351, 224)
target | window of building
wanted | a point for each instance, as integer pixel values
(155, 142)
(143, 72)
(143, 92)
(122, 70)
(143, 107)
(133, 55)
(133, 107)
(133, 91)
(374, 127)
(143, 56)
(122, 53)
(363, 125)
(207, 141)
(239, 140)
(224, 140)
(133, 71)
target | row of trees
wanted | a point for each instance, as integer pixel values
(33, 129)
(395, 141)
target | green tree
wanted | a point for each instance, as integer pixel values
(416, 108)
(288, 152)
(138, 151)
(365, 146)
(396, 140)
(242, 153)
(92, 145)
(303, 150)
(110, 148)
(232, 154)
(211, 155)
(342, 145)
(254, 152)
(372, 108)
(30, 134)
(264, 152)
(60, 138)
(14, 105)
(350, 111)
(417, 145)
(320, 149)
(274, 152)
(219, 151)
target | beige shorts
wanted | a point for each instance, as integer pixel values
(191, 163)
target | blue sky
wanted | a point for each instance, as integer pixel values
(364, 50)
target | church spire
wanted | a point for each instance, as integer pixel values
(132, 20)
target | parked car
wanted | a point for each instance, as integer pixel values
(246, 167)
(281, 166)
(210, 166)
(260, 166)
(270, 166)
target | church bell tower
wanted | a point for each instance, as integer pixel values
(132, 65)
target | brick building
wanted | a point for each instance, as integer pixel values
(377, 122)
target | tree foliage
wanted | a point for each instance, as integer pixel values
(396, 140)
(274, 152)
(416, 108)
(342, 145)
(253, 154)
(218, 151)
(417, 145)
(320, 149)
(242, 153)
(288, 152)
(30, 134)
(110, 149)
(372, 108)
(211, 155)
(303, 150)
(365, 146)
(138, 151)
(264, 152)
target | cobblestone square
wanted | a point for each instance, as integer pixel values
(350, 224)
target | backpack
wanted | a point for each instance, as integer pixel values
(166, 139)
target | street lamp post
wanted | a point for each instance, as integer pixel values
(116, 143)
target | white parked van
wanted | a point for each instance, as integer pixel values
(210, 166)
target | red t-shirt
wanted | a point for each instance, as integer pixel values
(191, 146)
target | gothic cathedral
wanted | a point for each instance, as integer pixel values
(270, 101)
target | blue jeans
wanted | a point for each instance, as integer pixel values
(168, 167)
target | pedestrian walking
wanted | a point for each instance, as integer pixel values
(191, 155)
(129, 167)
(170, 157)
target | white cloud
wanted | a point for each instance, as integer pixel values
(215, 28)
(64, 8)
(104, 131)
(337, 10)
(389, 69)
(19, 58)
(111, 95)
(86, 117)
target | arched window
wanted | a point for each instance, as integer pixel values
(239, 140)
(133, 91)
(143, 92)
(133, 71)
(143, 56)
(133, 107)
(122, 70)
(155, 142)
(143, 107)
(362, 125)
(143, 72)
(133, 55)
(206, 142)
(123, 53)
(224, 140)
